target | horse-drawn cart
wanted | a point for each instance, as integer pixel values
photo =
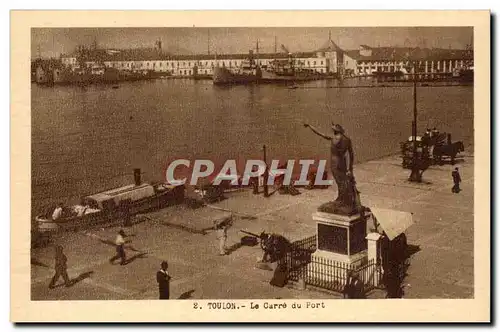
(433, 150)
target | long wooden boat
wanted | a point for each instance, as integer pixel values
(110, 205)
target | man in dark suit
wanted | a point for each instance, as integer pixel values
(354, 288)
(456, 181)
(254, 181)
(163, 279)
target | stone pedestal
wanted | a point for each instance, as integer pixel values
(341, 244)
(342, 238)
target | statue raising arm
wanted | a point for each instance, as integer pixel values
(317, 132)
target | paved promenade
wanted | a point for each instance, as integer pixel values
(443, 231)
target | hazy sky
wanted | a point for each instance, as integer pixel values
(53, 41)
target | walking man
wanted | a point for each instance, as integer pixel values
(163, 279)
(456, 181)
(120, 250)
(221, 231)
(60, 267)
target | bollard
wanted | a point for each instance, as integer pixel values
(137, 176)
(301, 283)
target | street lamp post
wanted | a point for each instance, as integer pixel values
(415, 175)
(266, 173)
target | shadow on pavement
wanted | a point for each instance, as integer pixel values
(133, 258)
(234, 247)
(38, 263)
(412, 250)
(186, 295)
(80, 277)
(108, 242)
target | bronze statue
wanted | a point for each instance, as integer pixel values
(342, 158)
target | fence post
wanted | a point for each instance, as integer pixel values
(373, 240)
(301, 283)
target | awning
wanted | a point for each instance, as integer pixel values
(393, 222)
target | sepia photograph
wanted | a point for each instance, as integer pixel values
(242, 168)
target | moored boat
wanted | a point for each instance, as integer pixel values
(106, 206)
(248, 72)
(223, 75)
(285, 70)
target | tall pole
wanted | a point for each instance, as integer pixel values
(414, 129)
(415, 105)
(415, 169)
(208, 42)
(266, 173)
(257, 51)
(275, 47)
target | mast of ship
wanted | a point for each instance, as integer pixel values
(257, 53)
(208, 42)
(275, 47)
(290, 57)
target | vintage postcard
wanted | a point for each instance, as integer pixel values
(250, 166)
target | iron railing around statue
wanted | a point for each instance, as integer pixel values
(298, 257)
(332, 275)
(327, 273)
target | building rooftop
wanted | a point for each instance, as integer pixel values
(46, 64)
(377, 53)
(145, 54)
(330, 47)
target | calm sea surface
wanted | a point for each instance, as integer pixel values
(89, 139)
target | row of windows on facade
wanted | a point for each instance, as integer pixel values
(206, 63)
(209, 72)
(401, 63)
(438, 65)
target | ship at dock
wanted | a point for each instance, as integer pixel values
(252, 71)
(248, 72)
(285, 70)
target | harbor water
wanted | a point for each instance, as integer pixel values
(87, 139)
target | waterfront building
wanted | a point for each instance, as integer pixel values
(369, 61)
(330, 60)
(47, 71)
(325, 61)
